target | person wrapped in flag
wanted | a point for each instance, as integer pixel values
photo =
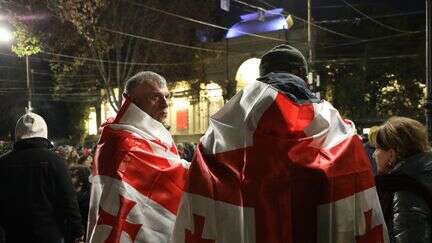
(138, 176)
(279, 165)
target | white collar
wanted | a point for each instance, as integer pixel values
(131, 115)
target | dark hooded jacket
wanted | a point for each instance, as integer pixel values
(37, 200)
(291, 85)
(405, 196)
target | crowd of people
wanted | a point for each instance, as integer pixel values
(46, 191)
(186, 150)
(77, 154)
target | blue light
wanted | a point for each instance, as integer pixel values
(255, 16)
(250, 23)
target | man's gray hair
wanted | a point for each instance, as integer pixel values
(143, 77)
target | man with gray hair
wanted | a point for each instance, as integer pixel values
(148, 91)
(138, 176)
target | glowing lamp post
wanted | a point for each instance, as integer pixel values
(6, 37)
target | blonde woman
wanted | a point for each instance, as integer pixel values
(404, 182)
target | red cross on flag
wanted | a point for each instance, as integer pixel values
(137, 182)
(271, 170)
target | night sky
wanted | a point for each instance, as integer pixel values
(404, 5)
(324, 9)
(401, 5)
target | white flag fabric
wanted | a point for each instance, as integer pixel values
(274, 170)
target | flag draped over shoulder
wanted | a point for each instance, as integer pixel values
(138, 178)
(274, 170)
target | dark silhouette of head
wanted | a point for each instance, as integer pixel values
(284, 58)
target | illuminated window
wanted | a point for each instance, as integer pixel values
(181, 109)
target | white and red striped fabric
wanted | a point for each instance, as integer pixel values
(270, 170)
(138, 179)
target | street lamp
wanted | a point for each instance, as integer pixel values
(6, 37)
(29, 106)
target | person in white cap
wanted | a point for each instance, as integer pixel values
(37, 200)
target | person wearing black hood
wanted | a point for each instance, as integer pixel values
(285, 68)
(287, 156)
(37, 200)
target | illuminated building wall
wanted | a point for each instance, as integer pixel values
(106, 109)
(189, 110)
(106, 112)
(92, 123)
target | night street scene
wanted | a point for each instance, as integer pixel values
(215, 121)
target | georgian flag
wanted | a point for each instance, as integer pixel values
(271, 170)
(138, 179)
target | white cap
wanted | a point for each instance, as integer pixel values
(31, 125)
